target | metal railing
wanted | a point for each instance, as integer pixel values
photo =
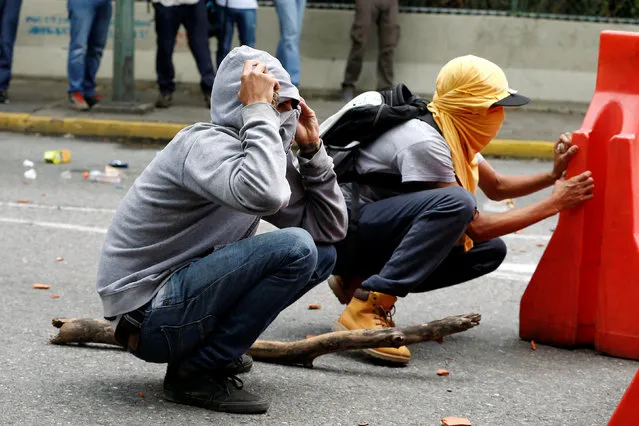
(622, 11)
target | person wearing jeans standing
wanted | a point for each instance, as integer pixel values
(183, 275)
(383, 14)
(89, 20)
(169, 15)
(291, 16)
(242, 13)
(9, 17)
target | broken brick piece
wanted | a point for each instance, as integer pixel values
(59, 259)
(455, 421)
(532, 345)
(41, 286)
(55, 296)
(308, 336)
(442, 372)
(24, 201)
(140, 394)
(314, 306)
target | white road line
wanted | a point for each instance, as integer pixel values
(518, 268)
(535, 237)
(56, 225)
(51, 207)
(511, 277)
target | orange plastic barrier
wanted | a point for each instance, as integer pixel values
(627, 413)
(586, 287)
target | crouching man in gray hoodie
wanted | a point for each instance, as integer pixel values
(182, 275)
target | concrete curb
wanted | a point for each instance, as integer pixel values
(90, 127)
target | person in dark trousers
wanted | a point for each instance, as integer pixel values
(169, 15)
(370, 13)
(428, 234)
(183, 275)
(9, 18)
(89, 24)
(242, 13)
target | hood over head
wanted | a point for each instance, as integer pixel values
(225, 106)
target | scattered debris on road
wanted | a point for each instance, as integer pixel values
(59, 259)
(24, 201)
(57, 157)
(311, 306)
(140, 394)
(442, 372)
(456, 421)
(533, 346)
(41, 286)
(55, 296)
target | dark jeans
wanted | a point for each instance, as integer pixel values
(408, 243)
(212, 311)
(89, 21)
(167, 24)
(9, 17)
(246, 21)
(369, 13)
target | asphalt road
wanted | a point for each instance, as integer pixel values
(496, 379)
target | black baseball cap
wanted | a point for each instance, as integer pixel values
(512, 98)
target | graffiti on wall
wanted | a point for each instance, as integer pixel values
(42, 25)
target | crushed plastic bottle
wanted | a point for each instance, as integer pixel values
(28, 164)
(30, 174)
(102, 177)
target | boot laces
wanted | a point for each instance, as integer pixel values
(384, 317)
(225, 383)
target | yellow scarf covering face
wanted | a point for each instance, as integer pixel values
(466, 89)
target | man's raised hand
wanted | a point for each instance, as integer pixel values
(258, 84)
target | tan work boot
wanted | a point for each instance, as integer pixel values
(374, 313)
(343, 289)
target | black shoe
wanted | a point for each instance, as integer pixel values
(93, 100)
(4, 97)
(164, 100)
(217, 393)
(239, 365)
(207, 99)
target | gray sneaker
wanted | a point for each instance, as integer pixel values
(164, 100)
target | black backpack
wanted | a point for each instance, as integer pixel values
(363, 120)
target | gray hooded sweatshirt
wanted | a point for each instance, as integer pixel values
(210, 186)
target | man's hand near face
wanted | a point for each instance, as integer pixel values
(258, 85)
(307, 134)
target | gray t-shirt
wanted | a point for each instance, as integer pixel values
(414, 150)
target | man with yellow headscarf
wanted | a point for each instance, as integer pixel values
(429, 235)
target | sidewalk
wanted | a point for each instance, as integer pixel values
(40, 106)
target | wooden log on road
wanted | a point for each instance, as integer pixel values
(301, 352)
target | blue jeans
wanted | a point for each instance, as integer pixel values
(408, 243)
(167, 23)
(90, 20)
(246, 21)
(213, 310)
(291, 16)
(9, 17)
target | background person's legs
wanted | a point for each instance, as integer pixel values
(291, 15)
(365, 11)
(95, 46)
(226, 20)
(167, 23)
(196, 23)
(388, 31)
(81, 15)
(9, 17)
(246, 20)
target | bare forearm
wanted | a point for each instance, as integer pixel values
(488, 226)
(519, 186)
